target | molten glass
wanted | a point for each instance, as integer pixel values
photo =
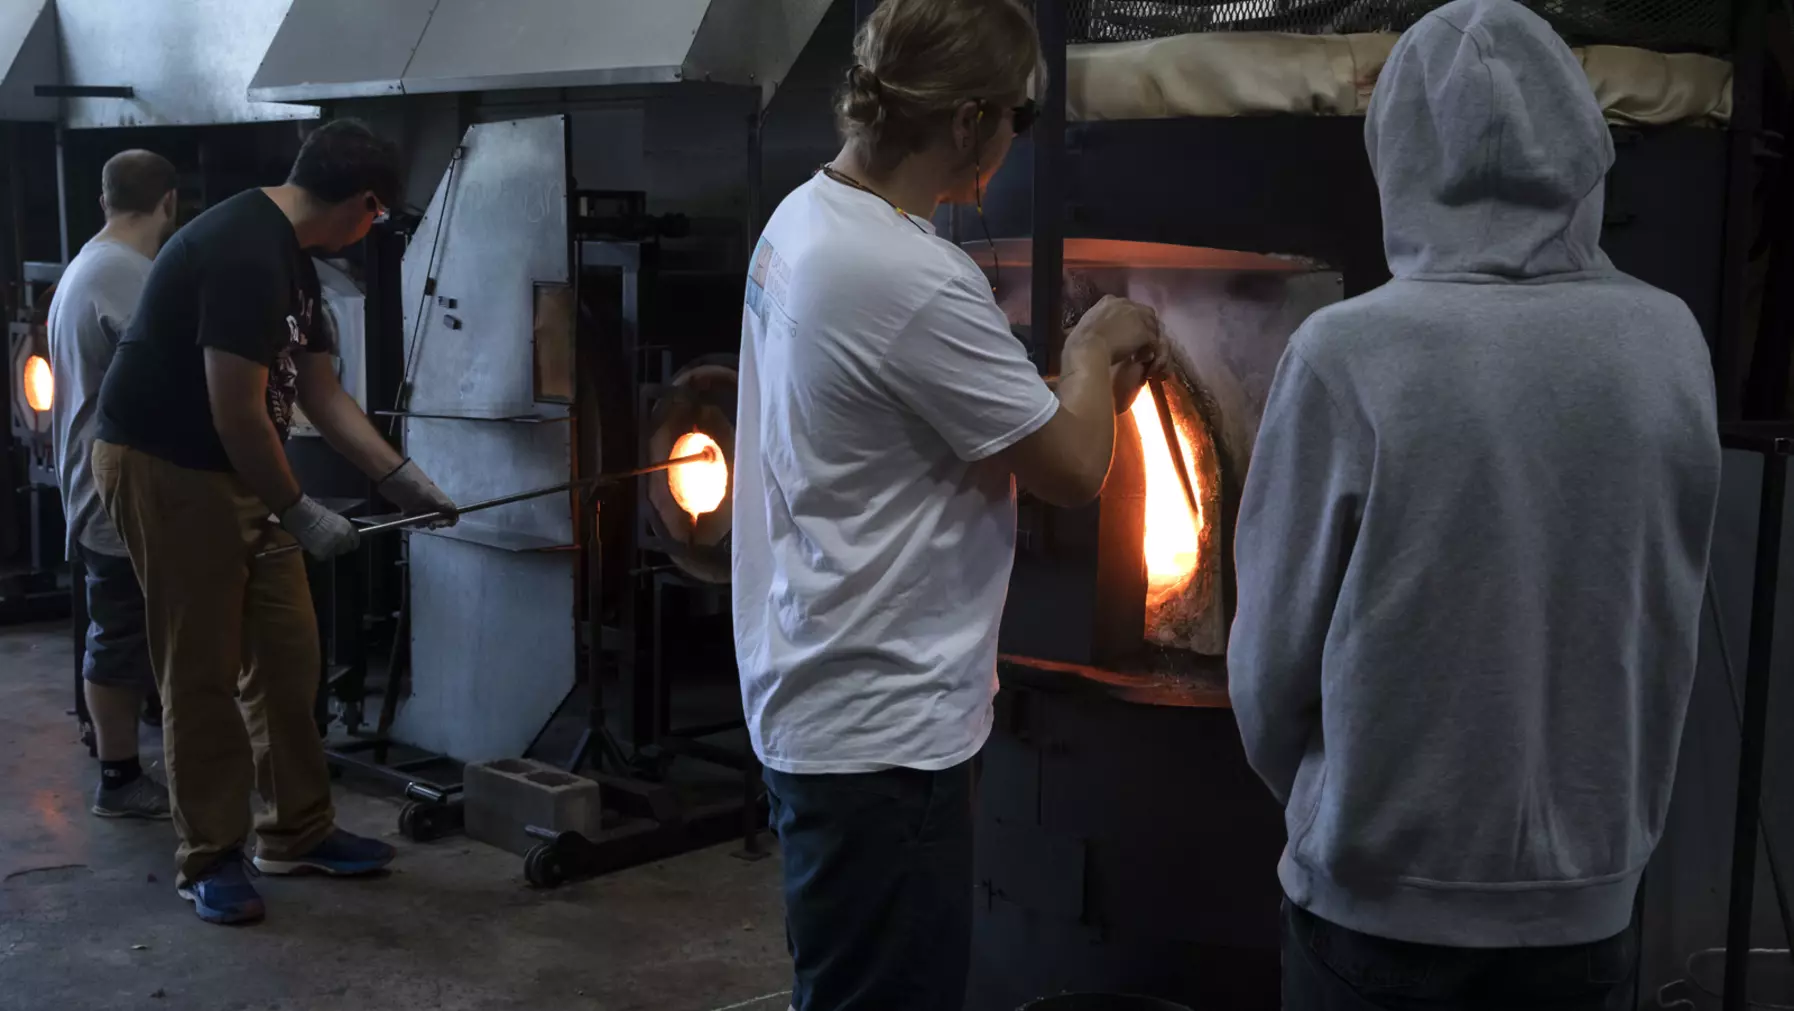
(1173, 532)
(700, 486)
(40, 385)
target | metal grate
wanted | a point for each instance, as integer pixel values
(1703, 25)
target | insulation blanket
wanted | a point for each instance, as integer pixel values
(1273, 73)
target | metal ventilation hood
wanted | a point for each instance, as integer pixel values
(27, 59)
(329, 49)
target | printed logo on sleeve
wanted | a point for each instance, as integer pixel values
(768, 279)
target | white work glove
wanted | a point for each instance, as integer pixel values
(408, 488)
(322, 533)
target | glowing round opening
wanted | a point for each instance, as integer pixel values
(699, 486)
(40, 385)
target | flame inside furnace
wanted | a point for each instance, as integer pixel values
(1173, 531)
(700, 486)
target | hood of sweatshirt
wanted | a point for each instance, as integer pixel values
(1489, 148)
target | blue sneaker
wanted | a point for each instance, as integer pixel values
(223, 893)
(342, 854)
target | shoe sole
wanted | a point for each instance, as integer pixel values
(211, 915)
(105, 812)
(284, 868)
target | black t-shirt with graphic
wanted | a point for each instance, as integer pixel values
(233, 279)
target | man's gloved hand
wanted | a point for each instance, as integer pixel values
(322, 533)
(416, 494)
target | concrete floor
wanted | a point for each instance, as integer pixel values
(89, 919)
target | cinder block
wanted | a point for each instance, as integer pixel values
(502, 798)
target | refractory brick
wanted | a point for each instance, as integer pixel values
(503, 797)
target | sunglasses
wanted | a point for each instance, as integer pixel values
(380, 212)
(1024, 116)
(1021, 116)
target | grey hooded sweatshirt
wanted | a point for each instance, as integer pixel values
(1474, 534)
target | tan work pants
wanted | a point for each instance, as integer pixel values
(234, 643)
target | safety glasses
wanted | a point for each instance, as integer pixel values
(1024, 115)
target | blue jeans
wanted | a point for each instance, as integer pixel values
(878, 887)
(1329, 968)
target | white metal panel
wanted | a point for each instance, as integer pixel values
(341, 49)
(496, 227)
(752, 42)
(190, 61)
(473, 461)
(489, 45)
(491, 647)
(27, 59)
(492, 624)
(356, 49)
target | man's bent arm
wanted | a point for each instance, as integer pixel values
(1065, 462)
(341, 420)
(237, 391)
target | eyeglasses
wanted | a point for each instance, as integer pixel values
(380, 212)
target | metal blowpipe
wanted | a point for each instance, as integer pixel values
(595, 480)
(1159, 400)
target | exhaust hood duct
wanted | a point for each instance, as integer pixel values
(187, 62)
(329, 49)
(28, 60)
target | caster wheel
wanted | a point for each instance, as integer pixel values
(408, 821)
(542, 867)
(420, 821)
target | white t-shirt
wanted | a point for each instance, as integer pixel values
(92, 307)
(871, 548)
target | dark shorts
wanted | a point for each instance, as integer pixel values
(878, 887)
(117, 639)
(1327, 967)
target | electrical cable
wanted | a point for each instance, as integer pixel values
(402, 398)
(996, 265)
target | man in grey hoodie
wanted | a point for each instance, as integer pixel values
(1471, 552)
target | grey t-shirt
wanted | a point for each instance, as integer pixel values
(89, 312)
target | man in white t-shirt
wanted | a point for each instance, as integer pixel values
(92, 305)
(886, 414)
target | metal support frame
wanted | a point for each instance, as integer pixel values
(62, 194)
(1734, 347)
(1049, 185)
(659, 822)
(78, 629)
(597, 747)
(1776, 449)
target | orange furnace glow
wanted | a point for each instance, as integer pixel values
(700, 486)
(40, 385)
(1173, 533)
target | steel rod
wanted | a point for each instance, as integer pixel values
(1047, 296)
(1753, 731)
(1182, 466)
(704, 456)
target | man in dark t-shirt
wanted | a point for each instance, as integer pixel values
(238, 281)
(191, 467)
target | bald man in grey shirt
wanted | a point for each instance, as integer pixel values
(92, 305)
